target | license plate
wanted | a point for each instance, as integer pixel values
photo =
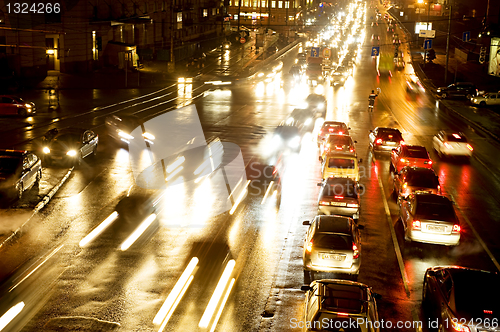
(390, 143)
(434, 228)
(338, 203)
(335, 257)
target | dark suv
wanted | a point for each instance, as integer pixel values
(460, 89)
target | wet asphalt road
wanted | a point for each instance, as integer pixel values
(101, 285)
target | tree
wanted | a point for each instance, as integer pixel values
(431, 55)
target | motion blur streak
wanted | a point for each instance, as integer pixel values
(214, 300)
(184, 289)
(36, 268)
(175, 164)
(240, 197)
(138, 232)
(177, 170)
(10, 315)
(99, 229)
(168, 306)
(267, 192)
(219, 313)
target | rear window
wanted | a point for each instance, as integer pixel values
(416, 153)
(456, 138)
(340, 163)
(345, 190)
(426, 180)
(333, 241)
(337, 139)
(392, 136)
(436, 211)
(287, 131)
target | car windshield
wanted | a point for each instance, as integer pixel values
(69, 138)
(8, 164)
(339, 139)
(435, 211)
(416, 153)
(456, 138)
(287, 131)
(332, 241)
(314, 66)
(340, 163)
(426, 180)
(340, 189)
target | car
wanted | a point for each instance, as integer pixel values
(487, 99)
(339, 305)
(304, 117)
(461, 298)
(339, 196)
(265, 182)
(415, 180)
(331, 128)
(332, 244)
(121, 127)
(409, 155)
(337, 143)
(287, 136)
(460, 89)
(317, 103)
(69, 145)
(12, 105)
(385, 139)
(19, 171)
(413, 85)
(448, 144)
(429, 218)
(341, 165)
(296, 71)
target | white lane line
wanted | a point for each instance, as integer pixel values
(394, 238)
(476, 234)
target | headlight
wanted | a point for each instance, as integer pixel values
(321, 105)
(260, 74)
(28, 105)
(294, 142)
(276, 140)
(438, 90)
(123, 134)
(308, 122)
(46, 150)
(289, 120)
(475, 100)
(71, 153)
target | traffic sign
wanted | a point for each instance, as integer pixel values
(427, 44)
(327, 53)
(427, 33)
(466, 36)
(314, 52)
(375, 50)
(242, 40)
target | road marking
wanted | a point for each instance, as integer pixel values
(476, 234)
(394, 238)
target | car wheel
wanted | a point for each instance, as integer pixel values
(482, 104)
(22, 112)
(444, 95)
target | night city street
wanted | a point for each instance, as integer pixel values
(147, 213)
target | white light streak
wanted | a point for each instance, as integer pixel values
(99, 229)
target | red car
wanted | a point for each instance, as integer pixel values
(331, 128)
(409, 155)
(11, 105)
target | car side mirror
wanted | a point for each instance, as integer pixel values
(376, 296)
(356, 142)
(306, 222)
(319, 184)
(360, 161)
(305, 288)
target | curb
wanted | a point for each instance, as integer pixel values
(45, 200)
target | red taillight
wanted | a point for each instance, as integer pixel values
(324, 203)
(342, 314)
(341, 133)
(355, 251)
(330, 130)
(439, 188)
(447, 145)
(416, 224)
(390, 136)
(351, 150)
(470, 147)
(309, 246)
(402, 142)
(429, 162)
(488, 312)
(338, 197)
(378, 141)
(457, 228)
(338, 147)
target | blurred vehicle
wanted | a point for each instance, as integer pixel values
(12, 105)
(340, 75)
(385, 139)
(69, 145)
(337, 143)
(488, 99)
(317, 103)
(429, 218)
(465, 298)
(287, 81)
(399, 63)
(332, 244)
(304, 118)
(375, 38)
(409, 155)
(331, 128)
(19, 171)
(314, 70)
(451, 144)
(331, 303)
(340, 165)
(121, 127)
(339, 196)
(395, 39)
(296, 71)
(415, 180)
(286, 136)
(265, 183)
(413, 85)
(460, 89)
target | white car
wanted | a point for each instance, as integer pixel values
(488, 99)
(451, 144)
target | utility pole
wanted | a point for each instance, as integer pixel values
(448, 47)
(427, 28)
(239, 14)
(171, 64)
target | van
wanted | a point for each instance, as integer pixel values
(341, 165)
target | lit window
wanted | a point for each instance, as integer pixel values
(214, 11)
(273, 4)
(255, 2)
(246, 3)
(263, 3)
(179, 20)
(235, 16)
(280, 4)
(287, 4)
(236, 3)
(205, 12)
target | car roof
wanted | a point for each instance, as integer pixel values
(387, 129)
(342, 295)
(341, 154)
(332, 181)
(334, 224)
(334, 123)
(431, 198)
(71, 130)
(13, 153)
(415, 169)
